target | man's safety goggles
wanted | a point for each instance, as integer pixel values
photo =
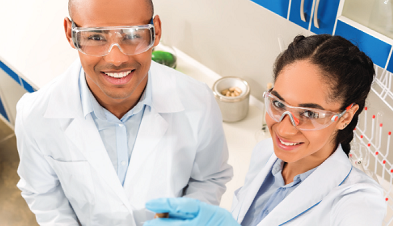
(301, 117)
(99, 41)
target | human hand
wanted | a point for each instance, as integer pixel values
(188, 212)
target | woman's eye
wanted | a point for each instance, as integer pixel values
(310, 114)
(278, 104)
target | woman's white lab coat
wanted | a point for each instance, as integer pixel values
(180, 150)
(334, 194)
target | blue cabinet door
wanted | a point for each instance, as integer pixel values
(376, 49)
(295, 12)
(279, 7)
(326, 14)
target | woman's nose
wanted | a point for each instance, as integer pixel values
(285, 127)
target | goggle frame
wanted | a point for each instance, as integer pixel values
(75, 30)
(295, 121)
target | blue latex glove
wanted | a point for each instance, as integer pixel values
(188, 212)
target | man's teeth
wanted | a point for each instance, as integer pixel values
(288, 144)
(118, 75)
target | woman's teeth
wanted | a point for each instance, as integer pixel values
(118, 75)
(288, 144)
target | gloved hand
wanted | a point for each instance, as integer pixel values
(188, 212)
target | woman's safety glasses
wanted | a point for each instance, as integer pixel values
(301, 117)
(99, 41)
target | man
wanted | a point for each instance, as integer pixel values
(116, 129)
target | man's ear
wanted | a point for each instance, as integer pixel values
(67, 30)
(347, 117)
(157, 28)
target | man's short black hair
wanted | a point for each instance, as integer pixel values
(72, 5)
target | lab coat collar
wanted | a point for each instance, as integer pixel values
(65, 102)
(165, 97)
(330, 174)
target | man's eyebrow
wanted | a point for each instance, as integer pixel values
(306, 105)
(95, 31)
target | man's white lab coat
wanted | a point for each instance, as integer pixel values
(335, 194)
(66, 174)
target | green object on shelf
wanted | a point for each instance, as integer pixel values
(165, 58)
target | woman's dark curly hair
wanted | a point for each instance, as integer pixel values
(348, 71)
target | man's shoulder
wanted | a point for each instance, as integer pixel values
(35, 104)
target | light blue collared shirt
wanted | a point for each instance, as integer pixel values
(272, 191)
(118, 136)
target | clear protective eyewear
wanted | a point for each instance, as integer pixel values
(99, 41)
(302, 118)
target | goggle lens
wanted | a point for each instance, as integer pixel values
(303, 118)
(99, 42)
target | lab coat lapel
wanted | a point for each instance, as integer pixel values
(89, 142)
(165, 100)
(65, 104)
(151, 131)
(330, 174)
(251, 191)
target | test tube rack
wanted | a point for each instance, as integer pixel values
(371, 156)
(383, 86)
(372, 141)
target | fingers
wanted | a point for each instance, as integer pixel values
(176, 207)
(160, 205)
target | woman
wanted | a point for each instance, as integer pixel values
(302, 175)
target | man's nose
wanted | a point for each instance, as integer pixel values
(115, 56)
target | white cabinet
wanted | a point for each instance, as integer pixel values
(366, 23)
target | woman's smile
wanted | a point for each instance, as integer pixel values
(286, 144)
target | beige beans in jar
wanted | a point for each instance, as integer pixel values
(232, 92)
